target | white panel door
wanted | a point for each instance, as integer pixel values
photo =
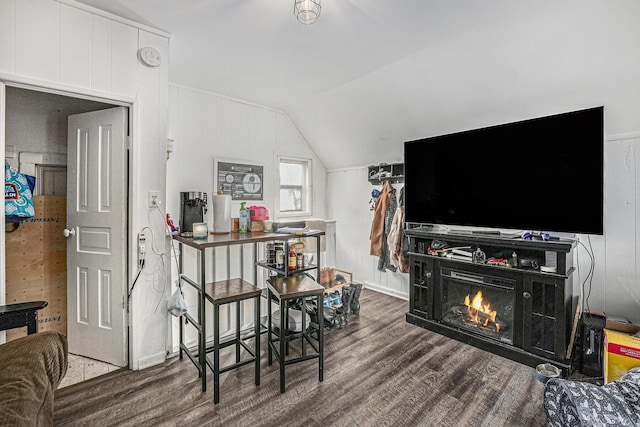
(97, 238)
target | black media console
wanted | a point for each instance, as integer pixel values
(516, 310)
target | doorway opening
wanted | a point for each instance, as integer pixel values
(37, 144)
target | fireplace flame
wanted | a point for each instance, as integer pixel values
(480, 312)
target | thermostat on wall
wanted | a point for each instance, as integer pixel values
(149, 56)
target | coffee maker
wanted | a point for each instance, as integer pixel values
(193, 207)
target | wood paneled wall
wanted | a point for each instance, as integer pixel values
(80, 49)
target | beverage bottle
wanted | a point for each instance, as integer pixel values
(300, 258)
(293, 259)
(300, 255)
(244, 218)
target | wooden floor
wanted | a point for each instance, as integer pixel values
(379, 371)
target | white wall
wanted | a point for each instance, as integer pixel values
(348, 195)
(206, 127)
(74, 49)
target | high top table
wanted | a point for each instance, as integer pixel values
(199, 283)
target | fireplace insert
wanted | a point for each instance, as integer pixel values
(481, 304)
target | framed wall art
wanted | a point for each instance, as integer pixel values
(241, 181)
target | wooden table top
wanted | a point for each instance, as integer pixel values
(237, 238)
(294, 287)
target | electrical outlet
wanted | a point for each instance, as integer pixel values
(142, 247)
(154, 199)
(142, 243)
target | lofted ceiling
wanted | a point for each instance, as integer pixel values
(369, 75)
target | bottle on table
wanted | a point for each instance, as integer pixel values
(279, 258)
(244, 218)
(293, 259)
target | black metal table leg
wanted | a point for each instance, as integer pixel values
(269, 333)
(201, 319)
(283, 315)
(216, 353)
(320, 338)
(257, 338)
(182, 319)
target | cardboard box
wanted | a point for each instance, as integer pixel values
(621, 353)
(256, 225)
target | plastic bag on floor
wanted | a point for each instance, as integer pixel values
(176, 304)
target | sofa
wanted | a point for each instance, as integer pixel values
(31, 369)
(570, 403)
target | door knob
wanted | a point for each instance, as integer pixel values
(68, 233)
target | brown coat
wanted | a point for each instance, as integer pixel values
(377, 225)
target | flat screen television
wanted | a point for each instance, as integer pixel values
(543, 174)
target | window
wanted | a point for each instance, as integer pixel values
(295, 186)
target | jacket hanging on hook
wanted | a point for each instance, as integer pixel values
(377, 225)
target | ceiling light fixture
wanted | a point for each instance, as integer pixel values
(307, 11)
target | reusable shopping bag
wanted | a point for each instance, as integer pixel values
(18, 198)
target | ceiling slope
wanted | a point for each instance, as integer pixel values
(368, 76)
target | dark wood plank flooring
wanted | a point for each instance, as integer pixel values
(379, 371)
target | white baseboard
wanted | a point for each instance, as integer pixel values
(387, 291)
(154, 359)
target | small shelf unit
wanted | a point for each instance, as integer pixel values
(393, 172)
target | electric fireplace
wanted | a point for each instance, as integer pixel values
(520, 313)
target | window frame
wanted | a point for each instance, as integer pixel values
(306, 188)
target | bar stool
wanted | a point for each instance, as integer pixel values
(283, 290)
(226, 292)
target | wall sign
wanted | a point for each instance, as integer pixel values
(240, 181)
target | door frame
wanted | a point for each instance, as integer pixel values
(56, 89)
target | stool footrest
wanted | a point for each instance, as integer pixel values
(301, 359)
(233, 366)
(276, 351)
(229, 344)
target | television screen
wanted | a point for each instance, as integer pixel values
(543, 174)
